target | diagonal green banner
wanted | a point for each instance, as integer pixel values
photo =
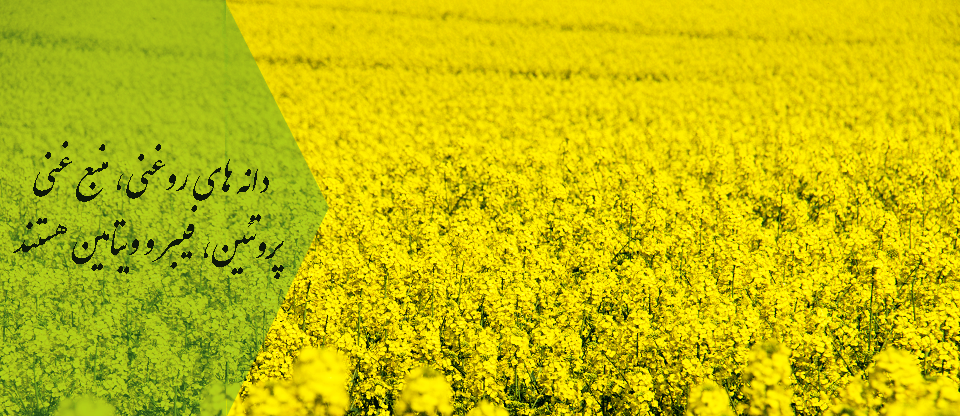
(155, 205)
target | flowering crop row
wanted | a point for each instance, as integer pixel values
(575, 208)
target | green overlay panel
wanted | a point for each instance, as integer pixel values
(155, 206)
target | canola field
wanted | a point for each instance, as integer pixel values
(618, 208)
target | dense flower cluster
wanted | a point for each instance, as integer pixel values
(317, 388)
(896, 386)
(85, 406)
(596, 208)
(425, 392)
(768, 385)
(709, 399)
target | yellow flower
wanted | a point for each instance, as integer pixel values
(425, 392)
(485, 408)
(895, 377)
(708, 399)
(317, 387)
(85, 406)
(768, 381)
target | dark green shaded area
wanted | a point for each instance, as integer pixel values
(150, 337)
